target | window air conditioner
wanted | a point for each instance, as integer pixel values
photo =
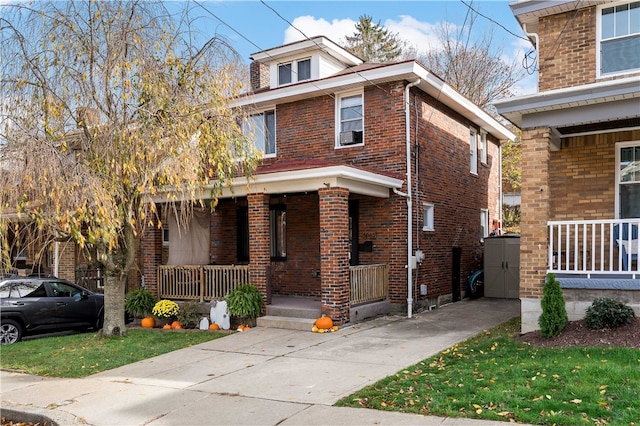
(350, 138)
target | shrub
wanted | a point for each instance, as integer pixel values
(245, 301)
(554, 313)
(139, 302)
(607, 313)
(189, 315)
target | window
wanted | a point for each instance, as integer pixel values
(165, 235)
(284, 74)
(278, 229)
(483, 147)
(628, 180)
(261, 128)
(350, 120)
(304, 70)
(484, 224)
(619, 44)
(473, 151)
(293, 72)
(427, 217)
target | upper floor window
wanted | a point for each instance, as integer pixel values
(619, 42)
(350, 122)
(483, 147)
(473, 151)
(261, 128)
(294, 71)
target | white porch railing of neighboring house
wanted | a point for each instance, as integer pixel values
(200, 282)
(369, 283)
(594, 247)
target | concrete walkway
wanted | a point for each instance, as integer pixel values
(261, 377)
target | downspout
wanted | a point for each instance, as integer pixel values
(537, 42)
(407, 113)
(56, 259)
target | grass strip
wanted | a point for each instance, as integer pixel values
(492, 376)
(83, 354)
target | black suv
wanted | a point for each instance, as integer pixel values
(32, 305)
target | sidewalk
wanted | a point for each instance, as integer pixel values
(260, 377)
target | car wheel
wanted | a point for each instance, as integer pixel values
(10, 332)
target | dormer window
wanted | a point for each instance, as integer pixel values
(295, 71)
(619, 43)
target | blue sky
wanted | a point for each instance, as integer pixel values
(251, 26)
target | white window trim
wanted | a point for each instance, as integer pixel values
(599, 41)
(473, 151)
(619, 147)
(339, 97)
(483, 147)
(428, 216)
(275, 125)
(294, 71)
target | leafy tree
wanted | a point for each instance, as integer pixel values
(475, 68)
(374, 43)
(106, 105)
(511, 157)
(554, 313)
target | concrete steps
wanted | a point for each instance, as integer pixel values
(291, 313)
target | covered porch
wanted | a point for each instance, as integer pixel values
(299, 237)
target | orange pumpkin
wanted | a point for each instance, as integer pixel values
(176, 324)
(324, 322)
(148, 322)
(167, 326)
(214, 326)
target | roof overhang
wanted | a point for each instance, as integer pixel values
(528, 12)
(408, 70)
(591, 103)
(357, 181)
(308, 45)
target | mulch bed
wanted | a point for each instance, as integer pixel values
(578, 334)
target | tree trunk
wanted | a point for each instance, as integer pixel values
(114, 291)
(115, 285)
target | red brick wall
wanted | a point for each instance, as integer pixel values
(306, 131)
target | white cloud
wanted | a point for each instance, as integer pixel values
(420, 35)
(336, 30)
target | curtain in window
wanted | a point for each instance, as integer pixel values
(189, 246)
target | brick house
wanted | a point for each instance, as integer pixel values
(581, 154)
(377, 186)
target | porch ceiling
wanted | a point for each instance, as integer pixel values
(300, 178)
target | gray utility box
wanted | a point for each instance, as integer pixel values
(502, 267)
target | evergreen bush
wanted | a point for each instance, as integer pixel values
(554, 313)
(607, 313)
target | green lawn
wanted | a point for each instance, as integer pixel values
(492, 376)
(80, 355)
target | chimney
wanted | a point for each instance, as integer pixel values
(259, 75)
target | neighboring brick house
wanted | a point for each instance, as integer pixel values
(580, 154)
(351, 151)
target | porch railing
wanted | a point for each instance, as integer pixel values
(200, 282)
(594, 247)
(369, 283)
